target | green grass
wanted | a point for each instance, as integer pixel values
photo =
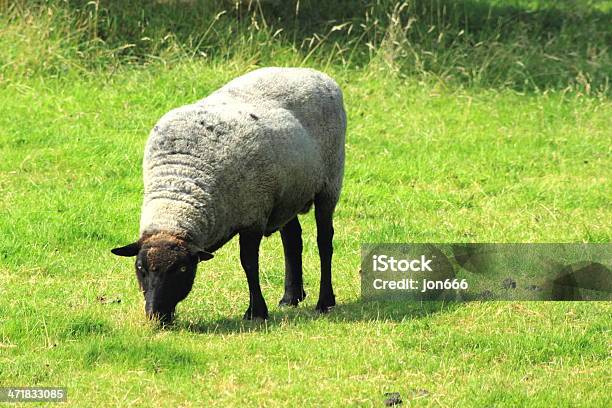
(430, 158)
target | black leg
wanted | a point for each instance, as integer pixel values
(249, 258)
(325, 233)
(291, 235)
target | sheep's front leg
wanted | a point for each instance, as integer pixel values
(249, 258)
(291, 235)
(324, 213)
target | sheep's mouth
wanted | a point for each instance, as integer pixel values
(165, 317)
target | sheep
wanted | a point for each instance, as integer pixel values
(245, 160)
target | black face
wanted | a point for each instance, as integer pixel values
(165, 277)
(165, 272)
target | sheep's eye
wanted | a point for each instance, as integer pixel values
(183, 269)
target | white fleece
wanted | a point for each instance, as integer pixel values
(251, 155)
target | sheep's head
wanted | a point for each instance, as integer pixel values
(165, 268)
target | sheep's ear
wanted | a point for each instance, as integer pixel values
(128, 250)
(204, 256)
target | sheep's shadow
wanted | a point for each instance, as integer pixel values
(358, 310)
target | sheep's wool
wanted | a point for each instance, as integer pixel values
(251, 155)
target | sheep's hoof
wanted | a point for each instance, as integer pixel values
(290, 299)
(257, 313)
(325, 305)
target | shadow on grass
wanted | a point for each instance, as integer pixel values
(551, 45)
(119, 23)
(356, 311)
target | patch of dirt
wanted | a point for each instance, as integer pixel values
(106, 300)
(392, 399)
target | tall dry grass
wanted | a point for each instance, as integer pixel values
(522, 44)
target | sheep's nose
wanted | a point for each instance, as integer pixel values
(164, 316)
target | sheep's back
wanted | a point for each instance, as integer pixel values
(312, 97)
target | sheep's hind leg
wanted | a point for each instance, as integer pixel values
(291, 235)
(249, 258)
(324, 212)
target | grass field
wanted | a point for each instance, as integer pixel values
(496, 151)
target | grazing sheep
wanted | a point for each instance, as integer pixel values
(245, 160)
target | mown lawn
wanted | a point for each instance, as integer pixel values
(427, 161)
